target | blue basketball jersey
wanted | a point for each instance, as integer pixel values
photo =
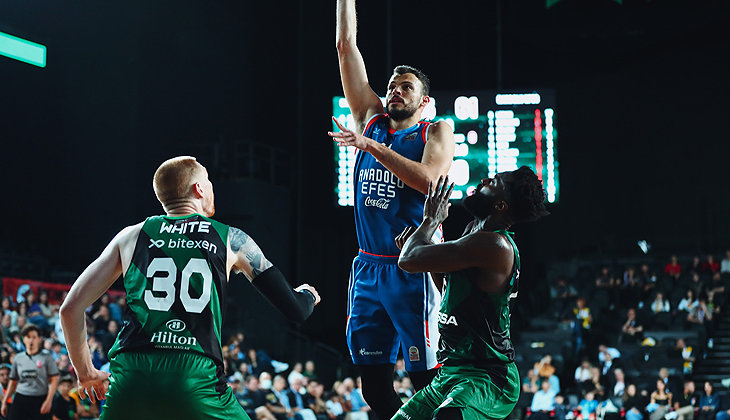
(385, 205)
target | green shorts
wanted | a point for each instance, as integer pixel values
(467, 388)
(167, 385)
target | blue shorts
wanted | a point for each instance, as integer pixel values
(390, 309)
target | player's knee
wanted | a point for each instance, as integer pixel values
(448, 413)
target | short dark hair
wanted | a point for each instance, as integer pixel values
(29, 328)
(68, 379)
(403, 69)
(525, 196)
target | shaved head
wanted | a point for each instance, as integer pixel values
(174, 181)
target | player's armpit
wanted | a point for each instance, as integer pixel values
(247, 256)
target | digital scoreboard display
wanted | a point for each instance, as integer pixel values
(494, 132)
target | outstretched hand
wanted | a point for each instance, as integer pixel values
(95, 385)
(437, 200)
(348, 137)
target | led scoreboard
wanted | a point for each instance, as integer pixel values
(494, 132)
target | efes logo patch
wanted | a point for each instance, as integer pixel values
(411, 137)
(39, 364)
(413, 354)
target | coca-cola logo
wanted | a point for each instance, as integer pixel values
(381, 203)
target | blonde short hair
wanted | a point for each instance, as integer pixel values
(174, 178)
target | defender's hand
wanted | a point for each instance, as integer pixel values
(401, 239)
(437, 200)
(348, 137)
(311, 290)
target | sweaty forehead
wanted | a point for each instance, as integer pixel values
(403, 78)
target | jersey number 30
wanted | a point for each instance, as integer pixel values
(166, 283)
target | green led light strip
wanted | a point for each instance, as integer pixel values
(22, 50)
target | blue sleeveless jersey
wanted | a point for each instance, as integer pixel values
(385, 205)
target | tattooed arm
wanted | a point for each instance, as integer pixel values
(295, 304)
(248, 258)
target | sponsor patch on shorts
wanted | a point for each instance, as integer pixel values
(413, 354)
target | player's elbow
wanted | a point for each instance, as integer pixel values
(345, 45)
(406, 264)
(68, 310)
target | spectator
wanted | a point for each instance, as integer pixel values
(7, 322)
(686, 353)
(617, 385)
(725, 264)
(562, 408)
(685, 403)
(584, 375)
(253, 399)
(309, 370)
(4, 377)
(101, 318)
(661, 399)
(672, 385)
(400, 369)
(543, 402)
(531, 383)
(604, 280)
(360, 408)
(604, 350)
(647, 280)
(688, 303)
(296, 373)
(697, 285)
(560, 293)
(116, 308)
(35, 376)
(107, 337)
(723, 410)
(545, 371)
(695, 266)
(633, 403)
(710, 266)
(582, 325)
(709, 403)
(313, 399)
(588, 406)
(64, 407)
(632, 330)
(296, 400)
(660, 304)
(631, 289)
(700, 313)
(259, 361)
(265, 381)
(673, 269)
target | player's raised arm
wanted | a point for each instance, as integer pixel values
(295, 304)
(364, 103)
(438, 154)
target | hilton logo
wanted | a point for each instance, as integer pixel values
(175, 325)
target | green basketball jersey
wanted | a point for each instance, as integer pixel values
(176, 288)
(475, 325)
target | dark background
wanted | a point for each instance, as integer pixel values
(642, 93)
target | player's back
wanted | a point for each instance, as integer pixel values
(176, 287)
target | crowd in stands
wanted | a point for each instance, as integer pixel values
(266, 388)
(621, 369)
(602, 374)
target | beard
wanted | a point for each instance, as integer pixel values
(403, 113)
(209, 208)
(479, 205)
